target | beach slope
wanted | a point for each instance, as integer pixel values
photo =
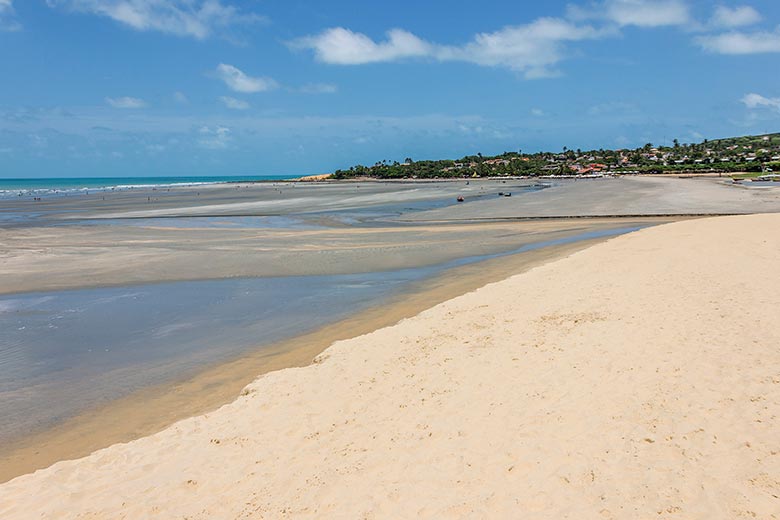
(639, 378)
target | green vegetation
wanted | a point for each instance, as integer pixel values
(750, 154)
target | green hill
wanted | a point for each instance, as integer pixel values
(754, 153)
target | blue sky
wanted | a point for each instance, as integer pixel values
(210, 87)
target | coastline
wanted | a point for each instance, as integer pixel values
(587, 385)
(152, 409)
(52, 256)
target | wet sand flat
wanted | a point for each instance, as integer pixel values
(621, 196)
(327, 228)
(50, 258)
(253, 199)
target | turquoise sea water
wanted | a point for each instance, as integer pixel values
(67, 184)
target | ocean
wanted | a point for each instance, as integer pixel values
(13, 187)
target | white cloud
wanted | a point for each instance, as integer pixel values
(126, 102)
(7, 16)
(217, 138)
(180, 98)
(753, 101)
(648, 13)
(236, 80)
(734, 17)
(319, 88)
(233, 103)
(537, 112)
(639, 13)
(195, 18)
(741, 42)
(532, 48)
(341, 46)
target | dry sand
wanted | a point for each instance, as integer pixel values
(637, 195)
(639, 378)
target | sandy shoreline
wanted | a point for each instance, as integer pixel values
(634, 379)
(48, 255)
(152, 409)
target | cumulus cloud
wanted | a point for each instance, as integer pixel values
(194, 18)
(8, 16)
(753, 101)
(639, 13)
(344, 47)
(217, 138)
(535, 49)
(238, 81)
(532, 49)
(126, 102)
(736, 43)
(233, 103)
(734, 17)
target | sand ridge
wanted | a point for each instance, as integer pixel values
(639, 378)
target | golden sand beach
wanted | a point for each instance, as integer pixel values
(638, 378)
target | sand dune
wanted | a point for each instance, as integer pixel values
(639, 378)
